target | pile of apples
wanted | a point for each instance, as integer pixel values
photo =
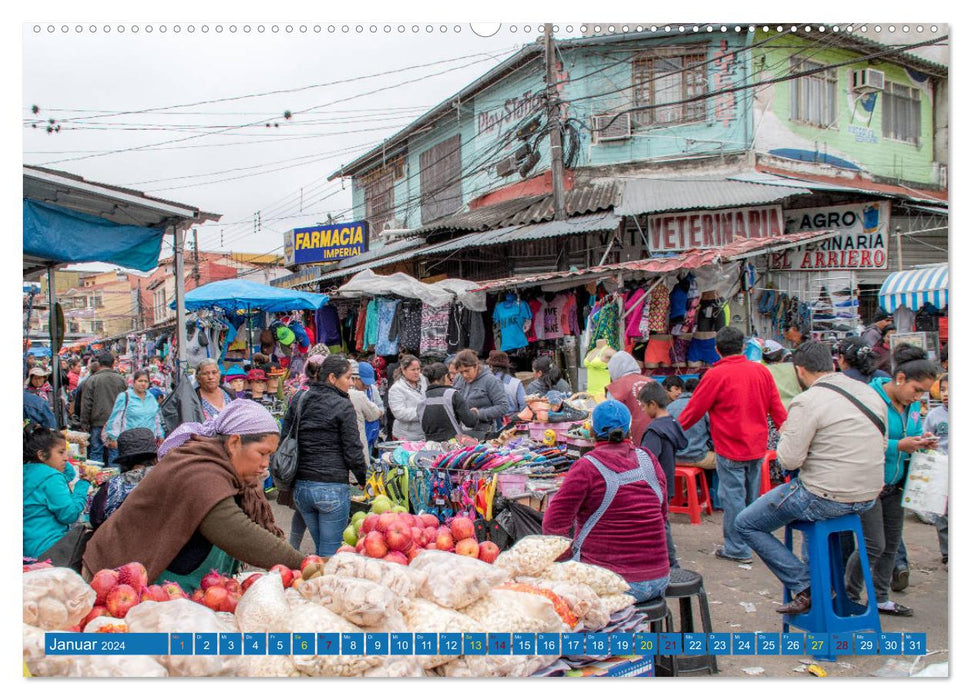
(311, 567)
(119, 590)
(399, 537)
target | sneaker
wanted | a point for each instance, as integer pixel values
(720, 553)
(900, 580)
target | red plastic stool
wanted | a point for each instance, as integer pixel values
(685, 500)
(766, 469)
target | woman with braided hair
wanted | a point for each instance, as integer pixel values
(857, 360)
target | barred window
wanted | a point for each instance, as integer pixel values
(379, 202)
(901, 113)
(812, 98)
(441, 179)
(662, 79)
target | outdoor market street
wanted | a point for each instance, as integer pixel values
(733, 588)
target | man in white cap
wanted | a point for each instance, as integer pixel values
(367, 411)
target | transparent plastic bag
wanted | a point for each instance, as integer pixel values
(507, 612)
(263, 607)
(601, 580)
(56, 598)
(358, 600)
(103, 623)
(583, 601)
(532, 554)
(424, 616)
(397, 667)
(270, 666)
(402, 580)
(186, 617)
(616, 603)
(116, 667)
(495, 666)
(36, 658)
(310, 618)
(455, 581)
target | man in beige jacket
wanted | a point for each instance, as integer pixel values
(835, 436)
(365, 409)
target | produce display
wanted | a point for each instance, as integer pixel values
(433, 590)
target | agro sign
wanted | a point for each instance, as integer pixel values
(677, 231)
(860, 245)
(329, 243)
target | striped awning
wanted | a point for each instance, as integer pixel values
(914, 288)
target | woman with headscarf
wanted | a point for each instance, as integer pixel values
(614, 502)
(626, 382)
(330, 450)
(547, 378)
(202, 506)
(137, 454)
(213, 397)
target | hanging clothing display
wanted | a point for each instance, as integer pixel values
(711, 316)
(691, 313)
(658, 351)
(679, 349)
(537, 307)
(406, 326)
(386, 344)
(434, 329)
(635, 317)
(360, 328)
(598, 377)
(555, 323)
(328, 325)
(466, 330)
(604, 323)
(659, 309)
(703, 350)
(371, 324)
(568, 313)
(678, 299)
(510, 317)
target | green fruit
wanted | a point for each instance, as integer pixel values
(399, 509)
(381, 504)
(358, 517)
(350, 535)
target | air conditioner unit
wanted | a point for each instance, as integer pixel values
(611, 127)
(868, 78)
(507, 166)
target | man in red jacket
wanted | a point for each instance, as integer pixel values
(737, 394)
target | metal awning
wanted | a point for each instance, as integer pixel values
(914, 288)
(642, 195)
(769, 175)
(661, 265)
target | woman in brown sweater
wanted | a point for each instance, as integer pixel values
(202, 507)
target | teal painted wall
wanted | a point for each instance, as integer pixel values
(857, 135)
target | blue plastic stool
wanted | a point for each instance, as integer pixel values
(831, 614)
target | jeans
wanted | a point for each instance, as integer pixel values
(97, 449)
(782, 505)
(901, 562)
(649, 590)
(942, 534)
(738, 487)
(326, 509)
(298, 528)
(672, 550)
(883, 526)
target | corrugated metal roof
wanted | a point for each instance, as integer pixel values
(688, 260)
(766, 173)
(582, 199)
(649, 195)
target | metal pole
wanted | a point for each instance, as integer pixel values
(180, 299)
(556, 145)
(52, 322)
(900, 251)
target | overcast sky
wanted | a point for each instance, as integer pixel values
(221, 156)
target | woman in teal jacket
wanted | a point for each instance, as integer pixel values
(50, 507)
(883, 524)
(135, 408)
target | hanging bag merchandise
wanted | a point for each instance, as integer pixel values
(283, 463)
(925, 488)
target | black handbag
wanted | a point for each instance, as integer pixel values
(283, 463)
(69, 550)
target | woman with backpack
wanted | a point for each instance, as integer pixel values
(135, 408)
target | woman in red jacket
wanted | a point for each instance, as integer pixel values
(614, 495)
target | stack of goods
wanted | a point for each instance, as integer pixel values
(438, 592)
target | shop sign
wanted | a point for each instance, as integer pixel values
(325, 243)
(861, 243)
(677, 231)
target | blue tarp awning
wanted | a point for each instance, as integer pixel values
(241, 295)
(914, 288)
(65, 236)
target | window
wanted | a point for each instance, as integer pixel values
(97, 326)
(812, 98)
(94, 301)
(901, 113)
(379, 202)
(661, 78)
(441, 179)
(159, 309)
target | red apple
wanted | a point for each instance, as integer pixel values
(213, 578)
(229, 605)
(369, 523)
(311, 565)
(418, 536)
(156, 593)
(296, 574)
(121, 599)
(385, 520)
(196, 596)
(413, 552)
(359, 548)
(408, 519)
(173, 590)
(215, 597)
(429, 520)
(396, 557)
(250, 580)
(347, 548)
(233, 586)
(375, 546)
(444, 540)
(133, 574)
(398, 536)
(285, 574)
(467, 548)
(430, 534)
(488, 551)
(96, 611)
(463, 529)
(431, 545)
(102, 583)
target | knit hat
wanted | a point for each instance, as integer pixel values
(233, 373)
(609, 416)
(366, 373)
(881, 315)
(256, 375)
(135, 446)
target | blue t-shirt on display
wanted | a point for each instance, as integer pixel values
(510, 317)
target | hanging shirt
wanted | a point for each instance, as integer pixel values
(510, 317)
(328, 325)
(571, 325)
(536, 307)
(385, 344)
(634, 319)
(371, 324)
(659, 309)
(434, 329)
(679, 300)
